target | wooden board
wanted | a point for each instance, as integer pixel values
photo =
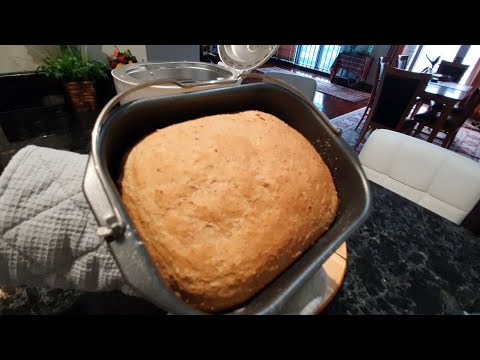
(342, 251)
(321, 288)
(335, 268)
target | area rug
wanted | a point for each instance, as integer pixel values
(327, 87)
(467, 141)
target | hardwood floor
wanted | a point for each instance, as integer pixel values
(330, 105)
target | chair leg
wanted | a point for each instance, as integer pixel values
(415, 110)
(449, 145)
(365, 128)
(451, 141)
(418, 130)
(432, 136)
(361, 119)
(447, 140)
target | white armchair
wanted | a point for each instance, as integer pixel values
(438, 179)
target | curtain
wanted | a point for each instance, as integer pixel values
(394, 51)
(474, 81)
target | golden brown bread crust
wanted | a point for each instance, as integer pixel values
(225, 203)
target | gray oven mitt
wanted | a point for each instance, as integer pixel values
(47, 230)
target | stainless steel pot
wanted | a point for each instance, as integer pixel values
(129, 76)
(236, 60)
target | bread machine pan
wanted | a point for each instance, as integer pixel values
(118, 128)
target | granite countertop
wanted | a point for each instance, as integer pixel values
(407, 260)
(403, 260)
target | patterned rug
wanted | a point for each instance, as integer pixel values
(467, 141)
(327, 87)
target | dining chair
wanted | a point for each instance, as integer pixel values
(382, 61)
(306, 85)
(402, 62)
(454, 122)
(396, 95)
(451, 72)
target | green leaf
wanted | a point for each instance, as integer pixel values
(68, 66)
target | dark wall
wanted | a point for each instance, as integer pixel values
(33, 105)
(26, 90)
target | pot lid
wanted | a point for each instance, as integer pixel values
(245, 58)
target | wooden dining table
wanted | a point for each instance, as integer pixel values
(448, 93)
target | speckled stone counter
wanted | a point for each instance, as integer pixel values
(35, 301)
(407, 260)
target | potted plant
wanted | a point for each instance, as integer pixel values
(433, 62)
(78, 75)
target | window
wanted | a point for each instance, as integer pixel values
(317, 57)
(470, 59)
(446, 52)
(418, 54)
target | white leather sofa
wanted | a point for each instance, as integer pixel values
(438, 179)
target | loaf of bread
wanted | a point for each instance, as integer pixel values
(225, 203)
